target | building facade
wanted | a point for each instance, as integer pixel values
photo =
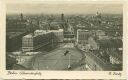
(27, 43)
(58, 34)
(41, 38)
(82, 36)
(69, 36)
(32, 42)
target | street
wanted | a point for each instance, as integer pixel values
(56, 60)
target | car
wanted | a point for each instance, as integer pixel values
(66, 52)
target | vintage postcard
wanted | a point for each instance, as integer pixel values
(64, 79)
(76, 39)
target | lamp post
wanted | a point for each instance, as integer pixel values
(38, 64)
(69, 63)
(52, 43)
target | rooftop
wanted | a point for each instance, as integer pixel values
(28, 36)
(82, 30)
(40, 30)
(60, 30)
(14, 34)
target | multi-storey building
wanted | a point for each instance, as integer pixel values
(58, 34)
(69, 36)
(16, 28)
(32, 42)
(82, 36)
(27, 42)
(41, 38)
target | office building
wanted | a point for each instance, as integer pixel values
(33, 42)
(27, 43)
(82, 36)
(58, 35)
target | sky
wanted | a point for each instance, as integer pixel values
(30, 8)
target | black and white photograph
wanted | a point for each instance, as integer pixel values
(64, 37)
(65, 79)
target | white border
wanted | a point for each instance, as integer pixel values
(62, 74)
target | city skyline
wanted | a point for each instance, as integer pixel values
(87, 39)
(30, 8)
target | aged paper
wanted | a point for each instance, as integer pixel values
(63, 39)
(64, 79)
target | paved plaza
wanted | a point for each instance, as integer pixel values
(56, 60)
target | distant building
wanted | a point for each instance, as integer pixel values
(63, 23)
(17, 25)
(54, 25)
(21, 16)
(62, 16)
(100, 33)
(14, 40)
(98, 15)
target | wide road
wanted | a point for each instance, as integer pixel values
(56, 60)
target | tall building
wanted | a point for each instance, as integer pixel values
(63, 22)
(58, 35)
(98, 15)
(40, 38)
(98, 18)
(27, 43)
(82, 36)
(21, 16)
(62, 16)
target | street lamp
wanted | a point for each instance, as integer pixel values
(52, 43)
(38, 64)
(69, 63)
